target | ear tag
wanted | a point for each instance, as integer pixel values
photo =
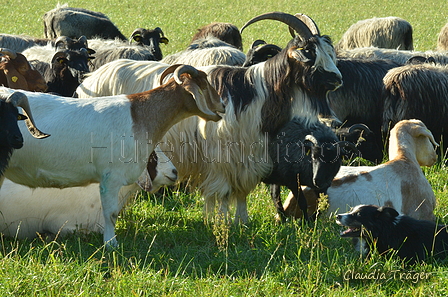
(21, 117)
(14, 78)
(308, 152)
(300, 48)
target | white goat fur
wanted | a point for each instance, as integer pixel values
(398, 183)
(387, 32)
(25, 212)
(103, 140)
(396, 55)
(233, 158)
(222, 55)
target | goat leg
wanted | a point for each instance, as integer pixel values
(275, 196)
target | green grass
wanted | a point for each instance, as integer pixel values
(166, 248)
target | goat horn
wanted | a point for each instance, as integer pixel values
(309, 22)
(295, 23)
(184, 69)
(19, 99)
(12, 54)
(359, 127)
(136, 32)
(62, 40)
(311, 138)
(167, 71)
(257, 43)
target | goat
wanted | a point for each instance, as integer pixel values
(17, 73)
(65, 71)
(74, 22)
(388, 32)
(259, 100)
(417, 92)
(398, 56)
(150, 39)
(10, 136)
(226, 32)
(122, 130)
(207, 51)
(442, 39)
(398, 183)
(303, 155)
(260, 51)
(25, 212)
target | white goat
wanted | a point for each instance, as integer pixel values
(62, 211)
(398, 183)
(387, 32)
(108, 139)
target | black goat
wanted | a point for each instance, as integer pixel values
(304, 154)
(151, 39)
(259, 52)
(66, 71)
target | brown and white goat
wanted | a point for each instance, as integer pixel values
(107, 140)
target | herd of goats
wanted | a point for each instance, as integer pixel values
(121, 117)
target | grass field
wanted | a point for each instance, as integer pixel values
(166, 248)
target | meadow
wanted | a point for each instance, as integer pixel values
(166, 248)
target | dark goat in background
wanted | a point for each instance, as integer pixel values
(226, 32)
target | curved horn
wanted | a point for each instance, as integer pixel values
(350, 145)
(257, 43)
(184, 69)
(62, 40)
(10, 53)
(19, 99)
(308, 22)
(311, 138)
(157, 29)
(298, 25)
(268, 47)
(359, 127)
(167, 71)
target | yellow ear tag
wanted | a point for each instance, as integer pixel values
(300, 48)
(14, 78)
(308, 152)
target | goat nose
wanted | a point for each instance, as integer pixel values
(338, 217)
(175, 171)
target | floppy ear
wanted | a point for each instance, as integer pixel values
(388, 212)
(423, 131)
(15, 79)
(203, 97)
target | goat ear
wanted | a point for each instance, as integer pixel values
(423, 131)
(388, 212)
(21, 117)
(202, 100)
(164, 40)
(15, 79)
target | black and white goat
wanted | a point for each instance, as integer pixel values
(107, 140)
(231, 160)
(10, 136)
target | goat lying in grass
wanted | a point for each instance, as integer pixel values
(398, 183)
(27, 212)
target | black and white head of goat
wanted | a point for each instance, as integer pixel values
(151, 39)
(305, 68)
